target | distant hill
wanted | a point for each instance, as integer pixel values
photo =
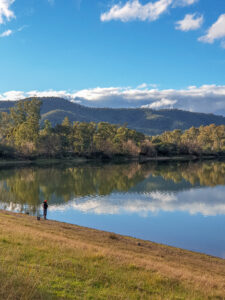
(145, 120)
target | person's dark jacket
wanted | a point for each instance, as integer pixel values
(45, 205)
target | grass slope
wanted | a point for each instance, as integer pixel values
(147, 121)
(51, 260)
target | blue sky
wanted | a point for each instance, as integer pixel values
(101, 51)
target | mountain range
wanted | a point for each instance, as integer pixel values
(148, 121)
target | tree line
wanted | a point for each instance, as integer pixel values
(22, 135)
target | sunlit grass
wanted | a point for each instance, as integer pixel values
(50, 260)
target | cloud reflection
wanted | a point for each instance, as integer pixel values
(204, 201)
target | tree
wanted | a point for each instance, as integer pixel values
(24, 126)
(104, 137)
(83, 137)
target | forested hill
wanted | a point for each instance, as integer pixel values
(148, 121)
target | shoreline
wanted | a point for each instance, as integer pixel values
(190, 275)
(139, 240)
(78, 160)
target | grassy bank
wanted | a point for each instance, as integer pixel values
(52, 260)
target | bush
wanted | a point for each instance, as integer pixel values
(6, 151)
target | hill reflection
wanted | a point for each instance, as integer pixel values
(195, 187)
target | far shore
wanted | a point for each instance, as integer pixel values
(77, 160)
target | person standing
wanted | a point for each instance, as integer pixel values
(45, 208)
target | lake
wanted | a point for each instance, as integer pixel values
(181, 204)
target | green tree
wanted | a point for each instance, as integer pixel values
(24, 126)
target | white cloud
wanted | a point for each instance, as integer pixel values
(163, 103)
(12, 95)
(11, 32)
(134, 10)
(147, 85)
(6, 33)
(5, 12)
(22, 28)
(50, 93)
(142, 86)
(206, 98)
(215, 32)
(190, 22)
(184, 2)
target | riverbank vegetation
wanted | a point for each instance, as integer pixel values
(51, 260)
(22, 136)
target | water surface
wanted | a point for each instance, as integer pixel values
(181, 204)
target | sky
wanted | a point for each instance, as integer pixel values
(115, 53)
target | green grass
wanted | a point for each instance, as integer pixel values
(49, 260)
(56, 273)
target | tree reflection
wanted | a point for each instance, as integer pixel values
(30, 186)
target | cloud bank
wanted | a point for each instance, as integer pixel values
(206, 98)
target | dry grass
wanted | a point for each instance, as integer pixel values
(52, 260)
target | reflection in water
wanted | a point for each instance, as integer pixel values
(118, 188)
(177, 203)
(193, 202)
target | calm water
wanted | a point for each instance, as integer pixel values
(179, 204)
